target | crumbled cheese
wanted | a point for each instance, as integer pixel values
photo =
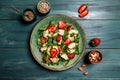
(71, 45)
(43, 48)
(61, 31)
(46, 33)
(54, 60)
(64, 56)
(73, 31)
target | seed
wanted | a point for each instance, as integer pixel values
(80, 68)
(85, 73)
(83, 65)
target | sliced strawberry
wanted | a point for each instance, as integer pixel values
(61, 24)
(83, 14)
(67, 41)
(71, 55)
(43, 40)
(58, 38)
(82, 8)
(51, 28)
(69, 27)
(53, 52)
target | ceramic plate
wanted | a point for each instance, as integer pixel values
(37, 54)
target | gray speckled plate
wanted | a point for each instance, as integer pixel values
(37, 54)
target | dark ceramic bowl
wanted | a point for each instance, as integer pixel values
(95, 56)
(23, 15)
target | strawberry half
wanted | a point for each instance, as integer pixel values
(69, 27)
(61, 24)
(82, 8)
(58, 38)
(71, 55)
(67, 41)
(83, 14)
(51, 28)
(43, 40)
(53, 52)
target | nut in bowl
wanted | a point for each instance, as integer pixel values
(43, 7)
(95, 56)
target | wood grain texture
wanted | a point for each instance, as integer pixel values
(108, 31)
(103, 21)
(101, 9)
(20, 65)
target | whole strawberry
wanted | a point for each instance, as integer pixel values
(95, 42)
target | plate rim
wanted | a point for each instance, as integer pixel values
(54, 69)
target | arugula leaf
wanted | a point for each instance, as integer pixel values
(77, 38)
(39, 43)
(65, 35)
(44, 53)
(71, 35)
(49, 42)
(55, 42)
(54, 23)
(77, 51)
(65, 48)
(40, 34)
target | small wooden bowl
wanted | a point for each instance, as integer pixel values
(95, 56)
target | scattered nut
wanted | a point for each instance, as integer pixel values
(85, 73)
(83, 65)
(80, 68)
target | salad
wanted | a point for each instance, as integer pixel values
(58, 42)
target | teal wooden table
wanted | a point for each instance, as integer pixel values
(103, 21)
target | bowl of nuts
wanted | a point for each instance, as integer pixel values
(43, 7)
(95, 56)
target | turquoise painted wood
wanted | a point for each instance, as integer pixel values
(103, 20)
(108, 31)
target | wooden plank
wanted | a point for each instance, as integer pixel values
(97, 10)
(32, 2)
(19, 64)
(16, 35)
(102, 21)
